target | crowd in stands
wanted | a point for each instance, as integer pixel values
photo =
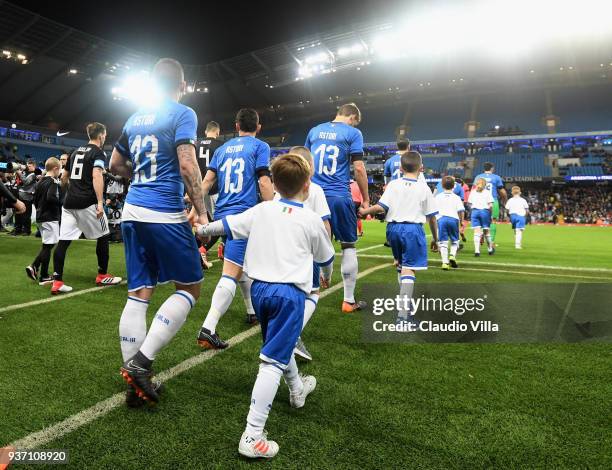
(567, 204)
(579, 205)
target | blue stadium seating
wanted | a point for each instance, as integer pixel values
(40, 154)
(584, 170)
(514, 164)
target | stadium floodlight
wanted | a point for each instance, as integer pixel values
(190, 89)
(73, 71)
(6, 53)
(21, 57)
(305, 71)
(347, 51)
(389, 46)
(140, 89)
(320, 58)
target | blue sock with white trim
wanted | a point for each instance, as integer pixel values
(406, 291)
(309, 307)
(132, 326)
(221, 300)
(167, 322)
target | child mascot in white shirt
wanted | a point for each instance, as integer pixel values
(518, 209)
(450, 220)
(407, 204)
(481, 202)
(284, 239)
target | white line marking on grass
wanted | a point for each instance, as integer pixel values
(55, 298)
(507, 271)
(369, 248)
(516, 265)
(570, 302)
(102, 408)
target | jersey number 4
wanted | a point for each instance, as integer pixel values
(233, 171)
(327, 159)
(144, 149)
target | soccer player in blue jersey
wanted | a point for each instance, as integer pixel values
(157, 151)
(239, 166)
(496, 185)
(334, 146)
(393, 164)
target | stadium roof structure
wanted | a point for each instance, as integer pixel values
(59, 77)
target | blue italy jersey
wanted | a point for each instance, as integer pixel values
(237, 164)
(392, 167)
(458, 189)
(332, 144)
(494, 182)
(149, 139)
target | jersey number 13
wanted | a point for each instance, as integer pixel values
(144, 149)
(327, 159)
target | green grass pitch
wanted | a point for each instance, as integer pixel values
(375, 406)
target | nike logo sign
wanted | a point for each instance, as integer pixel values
(61, 134)
(132, 365)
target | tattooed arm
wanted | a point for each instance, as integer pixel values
(192, 178)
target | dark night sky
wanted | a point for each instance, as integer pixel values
(202, 31)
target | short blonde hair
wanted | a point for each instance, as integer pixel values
(290, 172)
(481, 184)
(516, 190)
(52, 163)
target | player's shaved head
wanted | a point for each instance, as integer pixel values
(448, 182)
(488, 166)
(411, 161)
(169, 75)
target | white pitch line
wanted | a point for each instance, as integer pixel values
(516, 265)
(56, 298)
(55, 431)
(369, 248)
(508, 271)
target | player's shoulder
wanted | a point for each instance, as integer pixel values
(395, 183)
(261, 144)
(179, 108)
(356, 132)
